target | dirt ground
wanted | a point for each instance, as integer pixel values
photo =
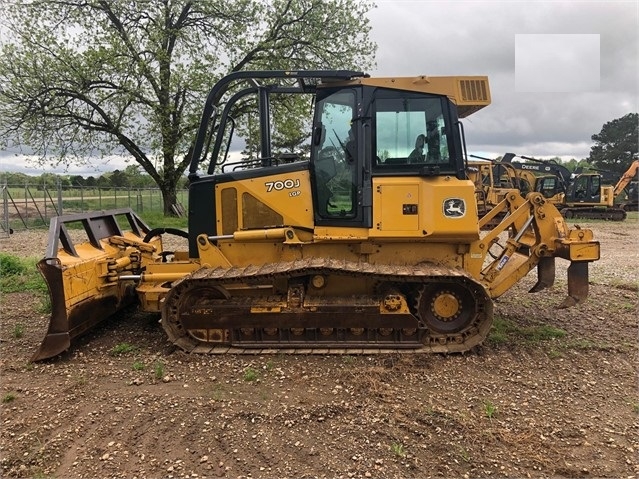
(523, 406)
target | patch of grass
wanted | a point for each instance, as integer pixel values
(489, 409)
(20, 275)
(397, 448)
(584, 344)
(11, 265)
(18, 331)
(218, 392)
(348, 359)
(555, 353)
(158, 370)
(121, 349)
(156, 219)
(250, 374)
(44, 306)
(505, 331)
(138, 365)
(8, 397)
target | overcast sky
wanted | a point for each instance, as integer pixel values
(558, 70)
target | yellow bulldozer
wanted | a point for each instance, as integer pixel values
(371, 243)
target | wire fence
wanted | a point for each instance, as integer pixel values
(32, 206)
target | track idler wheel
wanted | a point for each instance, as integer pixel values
(184, 300)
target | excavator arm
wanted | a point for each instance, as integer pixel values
(626, 178)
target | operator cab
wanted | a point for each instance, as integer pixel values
(361, 132)
(586, 188)
(362, 128)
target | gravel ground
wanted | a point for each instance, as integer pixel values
(522, 405)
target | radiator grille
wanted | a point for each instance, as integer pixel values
(473, 90)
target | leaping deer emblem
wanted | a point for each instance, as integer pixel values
(454, 207)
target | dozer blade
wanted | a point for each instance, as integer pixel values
(82, 288)
(577, 284)
(71, 320)
(545, 274)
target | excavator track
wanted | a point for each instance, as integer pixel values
(608, 214)
(290, 307)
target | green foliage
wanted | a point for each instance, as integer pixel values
(20, 275)
(122, 348)
(138, 365)
(18, 331)
(8, 397)
(616, 144)
(158, 370)
(11, 265)
(489, 409)
(397, 448)
(505, 331)
(131, 77)
(250, 374)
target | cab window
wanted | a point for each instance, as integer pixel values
(411, 131)
(334, 156)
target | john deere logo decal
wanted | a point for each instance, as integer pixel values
(454, 207)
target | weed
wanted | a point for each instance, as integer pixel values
(555, 354)
(80, 379)
(18, 331)
(138, 365)
(44, 305)
(635, 407)
(505, 331)
(397, 448)
(8, 397)
(489, 409)
(121, 348)
(20, 275)
(269, 365)
(464, 454)
(250, 374)
(348, 359)
(10, 265)
(588, 345)
(158, 370)
(218, 392)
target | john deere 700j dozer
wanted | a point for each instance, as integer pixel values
(370, 243)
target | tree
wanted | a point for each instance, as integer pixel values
(118, 179)
(77, 180)
(97, 77)
(616, 144)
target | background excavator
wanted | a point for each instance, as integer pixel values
(370, 243)
(584, 194)
(629, 184)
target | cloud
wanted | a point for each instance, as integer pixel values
(479, 38)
